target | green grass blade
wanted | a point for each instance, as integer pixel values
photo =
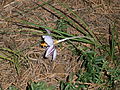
(112, 41)
(5, 58)
(63, 15)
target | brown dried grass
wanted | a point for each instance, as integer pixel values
(98, 14)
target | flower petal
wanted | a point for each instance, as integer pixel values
(54, 55)
(48, 40)
(48, 31)
(50, 51)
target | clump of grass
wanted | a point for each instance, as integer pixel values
(94, 74)
(39, 86)
(11, 56)
(96, 71)
(12, 87)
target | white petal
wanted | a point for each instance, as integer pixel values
(48, 40)
(68, 38)
(54, 55)
(48, 31)
(50, 51)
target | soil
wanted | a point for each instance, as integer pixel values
(24, 39)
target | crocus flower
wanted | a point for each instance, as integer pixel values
(50, 50)
(50, 44)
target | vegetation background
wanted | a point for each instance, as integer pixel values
(89, 63)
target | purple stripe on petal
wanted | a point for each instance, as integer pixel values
(54, 54)
(49, 51)
(52, 51)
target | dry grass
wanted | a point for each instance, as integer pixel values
(98, 14)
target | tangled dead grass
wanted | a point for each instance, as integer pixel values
(98, 14)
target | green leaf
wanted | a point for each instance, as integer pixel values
(40, 86)
(12, 87)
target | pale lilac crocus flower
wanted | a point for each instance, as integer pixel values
(50, 44)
